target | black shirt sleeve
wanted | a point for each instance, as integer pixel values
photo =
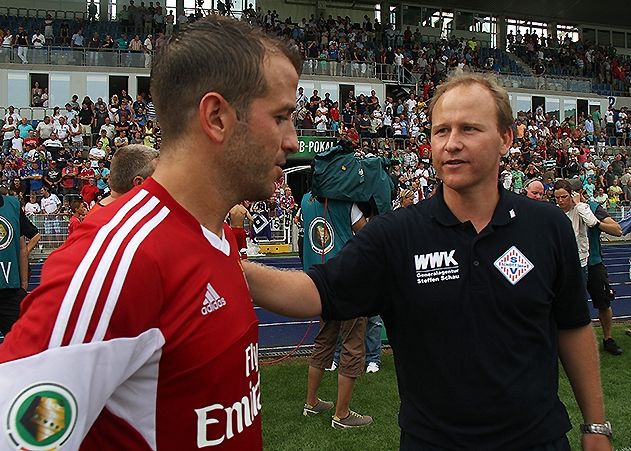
(354, 282)
(601, 214)
(27, 228)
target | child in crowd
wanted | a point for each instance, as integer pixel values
(78, 213)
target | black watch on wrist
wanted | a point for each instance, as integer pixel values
(597, 428)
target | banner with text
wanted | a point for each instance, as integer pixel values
(309, 146)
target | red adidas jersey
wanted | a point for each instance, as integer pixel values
(142, 336)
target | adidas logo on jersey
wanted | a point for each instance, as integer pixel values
(212, 300)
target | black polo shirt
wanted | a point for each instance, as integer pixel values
(472, 318)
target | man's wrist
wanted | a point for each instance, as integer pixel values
(597, 429)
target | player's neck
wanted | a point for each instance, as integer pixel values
(195, 186)
(475, 205)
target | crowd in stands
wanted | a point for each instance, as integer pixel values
(67, 154)
(329, 44)
(550, 56)
(544, 147)
(139, 29)
(335, 46)
(336, 42)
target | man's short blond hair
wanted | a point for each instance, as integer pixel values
(500, 95)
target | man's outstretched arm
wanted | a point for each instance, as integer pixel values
(286, 292)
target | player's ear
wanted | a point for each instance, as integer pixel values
(216, 116)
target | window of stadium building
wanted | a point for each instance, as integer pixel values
(393, 13)
(449, 20)
(520, 27)
(190, 6)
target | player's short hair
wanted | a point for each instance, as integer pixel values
(129, 162)
(214, 54)
(500, 95)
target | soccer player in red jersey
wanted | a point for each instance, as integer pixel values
(142, 334)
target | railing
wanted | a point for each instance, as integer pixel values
(545, 82)
(53, 230)
(360, 69)
(73, 56)
(541, 82)
(314, 132)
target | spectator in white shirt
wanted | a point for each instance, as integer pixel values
(77, 39)
(76, 135)
(53, 141)
(38, 40)
(8, 133)
(69, 113)
(410, 103)
(17, 142)
(50, 203)
(32, 207)
(110, 129)
(14, 114)
(96, 154)
(580, 214)
(148, 48)
(45, 128)
(62, 130)
(320, 122)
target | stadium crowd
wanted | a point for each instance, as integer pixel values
(68, 153)
(544, 148)
(548, 55)
(336, 46)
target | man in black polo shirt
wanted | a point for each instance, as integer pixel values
(478, 303)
